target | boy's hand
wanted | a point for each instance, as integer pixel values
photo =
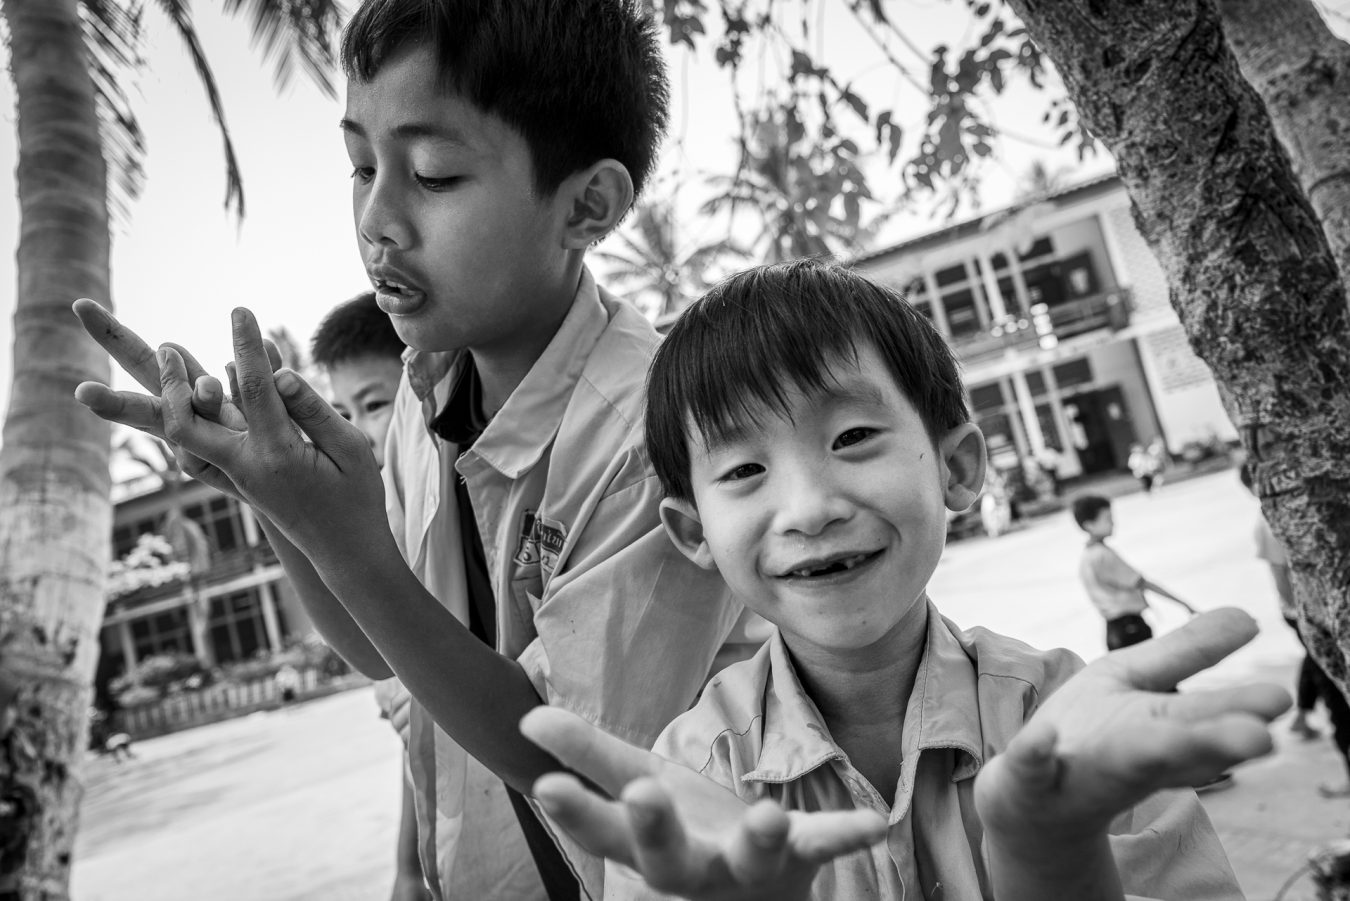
(144, 412)
(680, 831)
(278, 446)
(1115, 733)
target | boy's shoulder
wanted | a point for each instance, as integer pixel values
(616, 365)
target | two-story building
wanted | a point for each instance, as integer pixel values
(1059, 313)
(238, 605)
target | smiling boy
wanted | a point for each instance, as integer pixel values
(492, 142)
(810, 431)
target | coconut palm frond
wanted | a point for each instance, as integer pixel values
(180, 14)
(112, 33)
(291, 32)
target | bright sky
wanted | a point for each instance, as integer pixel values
(180, 263)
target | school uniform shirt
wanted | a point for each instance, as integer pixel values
(756, 732)
(1114, 587)
(1269, 549)
(590, 593)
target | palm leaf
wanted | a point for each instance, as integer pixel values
(292, 32)
(112, 34)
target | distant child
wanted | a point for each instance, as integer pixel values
(361, 355)
(513, 554)
(1313, 683)
(810, 431)
(1143, 466)
(1115, 588)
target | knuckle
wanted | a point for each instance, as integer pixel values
(253, 386)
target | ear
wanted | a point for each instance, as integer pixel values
(685, 528)
(594, 201)
(963, 461)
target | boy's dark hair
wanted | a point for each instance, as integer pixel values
(355, 328)
(1087, 507)
(739, 348)
(580, 80)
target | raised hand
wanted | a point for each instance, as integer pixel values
(1116, 732)
(143, 411)
(681, 832)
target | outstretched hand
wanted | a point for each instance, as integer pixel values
(680, 831)
(1117, 732)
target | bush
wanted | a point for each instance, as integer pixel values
(157, 675)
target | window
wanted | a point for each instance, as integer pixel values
(236, 628)
(986, 397)
(1074, 372)
(220, 520)
(161, 633)
(963, 318)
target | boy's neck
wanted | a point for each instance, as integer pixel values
(502, 367)
(863, 696)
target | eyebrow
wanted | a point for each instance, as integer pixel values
(408, 130)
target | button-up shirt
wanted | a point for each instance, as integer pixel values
(756, 732)
(1114, 587)
(605, 615)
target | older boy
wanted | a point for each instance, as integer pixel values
(492, 142)
(810, 432)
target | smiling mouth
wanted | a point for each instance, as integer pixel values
(832, 567)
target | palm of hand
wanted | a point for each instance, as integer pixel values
(1117, 732)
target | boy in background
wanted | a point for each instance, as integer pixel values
(810, 431)
(1115, 588)
(361, 356)
(492, 142)
(1313, 683)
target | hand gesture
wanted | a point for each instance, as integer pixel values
(680, 831)
(143, 412)
(1117, 732)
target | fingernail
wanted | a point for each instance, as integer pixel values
(162, 355)
(286, 381)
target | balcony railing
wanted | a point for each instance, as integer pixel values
(1045, 326)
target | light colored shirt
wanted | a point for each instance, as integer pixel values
(606, 616)
(1114, 587)
(1269, 549)
(756, 732)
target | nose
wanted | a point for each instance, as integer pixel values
(381, 214)
(808, 501)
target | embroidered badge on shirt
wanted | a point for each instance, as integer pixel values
(541, 542)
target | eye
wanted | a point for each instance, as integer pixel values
(436, 184)
(854, 436)
(363, 174)
(375, 406)
(741, 472)
(342, 411)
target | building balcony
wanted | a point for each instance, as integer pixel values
(1045, 326)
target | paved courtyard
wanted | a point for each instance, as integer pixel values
(301, 803)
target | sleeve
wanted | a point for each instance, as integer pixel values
(628, 632)
(1166, 850)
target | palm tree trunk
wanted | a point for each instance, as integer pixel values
(55, 516)
(1252, 275)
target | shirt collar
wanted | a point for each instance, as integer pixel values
(943, 705)
(535, 409)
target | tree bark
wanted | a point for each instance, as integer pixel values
(1302, 73)
(1252, 276)
(55, 515)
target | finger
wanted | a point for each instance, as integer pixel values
(208, 397)
(194, 369)
(1181, 755)
(1031, 756)
(609, 762)
(660, 844)
(1204, 640)
(183, 429)
(821, 837)
(121, 343)
(1261, 700)
(335, 436)
(759, 849)
(600, 826)
(140, 411)
(274, 358)
(257, 394)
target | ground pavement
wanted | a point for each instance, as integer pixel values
(301, 803)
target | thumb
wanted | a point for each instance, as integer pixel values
(329, 432)
(1030, 757)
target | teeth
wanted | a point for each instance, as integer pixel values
(844, 565)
